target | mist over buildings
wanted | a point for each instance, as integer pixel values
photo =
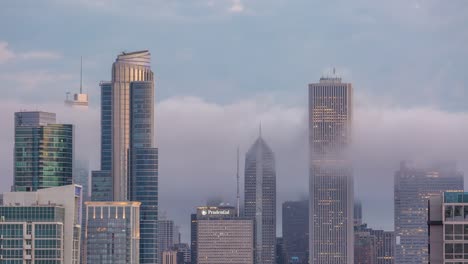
(198, 141)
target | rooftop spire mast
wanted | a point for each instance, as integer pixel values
(81, 75)
(238, 189)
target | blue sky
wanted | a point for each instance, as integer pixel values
(224, 66)
(404, 52)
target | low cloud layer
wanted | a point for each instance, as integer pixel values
(198, 142)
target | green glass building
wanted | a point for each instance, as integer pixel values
(43, 152)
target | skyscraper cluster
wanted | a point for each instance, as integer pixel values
(55, 214)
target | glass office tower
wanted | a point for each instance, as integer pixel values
(331, 180)
(43, 152)
(296, 231)
(260, 199)
(112, 232)
(413, 188)
(129, 160)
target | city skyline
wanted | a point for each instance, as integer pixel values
(236, 106)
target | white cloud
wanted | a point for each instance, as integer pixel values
(236, 6)
(7, 54)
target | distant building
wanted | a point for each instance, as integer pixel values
(113, 232)
(413, 188)
(448, 228)
(280, 253)
(357, 213)
(184, 250)
(43, 152)
(296, 231)
(168, 235)
(219, 236)
(41, 226)
(260, 199)
(169, 257)
(1, 199)
(331, 179)
(373, 246)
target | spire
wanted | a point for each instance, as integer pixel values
(260, 130)
(238, 189)
(81, 75)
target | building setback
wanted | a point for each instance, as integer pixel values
(260, 199)
(41, 226)
(129, 160)
(43, 152)
(413, 188)
(331, 181)
(296, 231)
(113, 232)
(219, 236)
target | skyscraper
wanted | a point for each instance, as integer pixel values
(373, 246)
(331, 181)
(112, 232)
(129, 160)
(41, 226)
(43, 152)
(413, 189)
(260, 199)
(167, 236)
(296, 231)
(357, 213)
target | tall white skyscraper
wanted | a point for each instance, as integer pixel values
(260, 199)
(331, 182)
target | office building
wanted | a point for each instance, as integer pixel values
(448, 228)
(81, 177)
(357, 213)
(168, 235)
(413, 188)
(373, 246)
(296, 231)
(113, 232)
(260, 199)
(184, 251)
(129, 160)
(364, 247)
(331, 188)
(43, 152)
(41, 226)
(219, 236)
(170, 257)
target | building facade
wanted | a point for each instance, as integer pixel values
(43, 152)
(168, 235)
(373, 246)
(184, 251)
(113, 232)
(219, 236)
(296, 231)
(331, 181)
(129, 160)
(448, 228)
(260, 199)
(41, 227)
(413, 188)
(169, 257)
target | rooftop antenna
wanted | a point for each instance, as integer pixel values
(81, 75)
(238, 189)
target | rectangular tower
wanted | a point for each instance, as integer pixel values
(113, 232)
(413, 189)
(296, 231)
(43, 152)
(331, 181)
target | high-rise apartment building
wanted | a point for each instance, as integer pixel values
(331, 181)
(41, 226)
(296, 231)
(448, 228)
(113, 232)
(219, 236)
(43, 152)
(129, 160)
(413, 188)
(260, 199)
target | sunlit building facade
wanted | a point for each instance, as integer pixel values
(413, 188)
(43, 152)
(113, 232)
(260, 199)
(331, 181)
